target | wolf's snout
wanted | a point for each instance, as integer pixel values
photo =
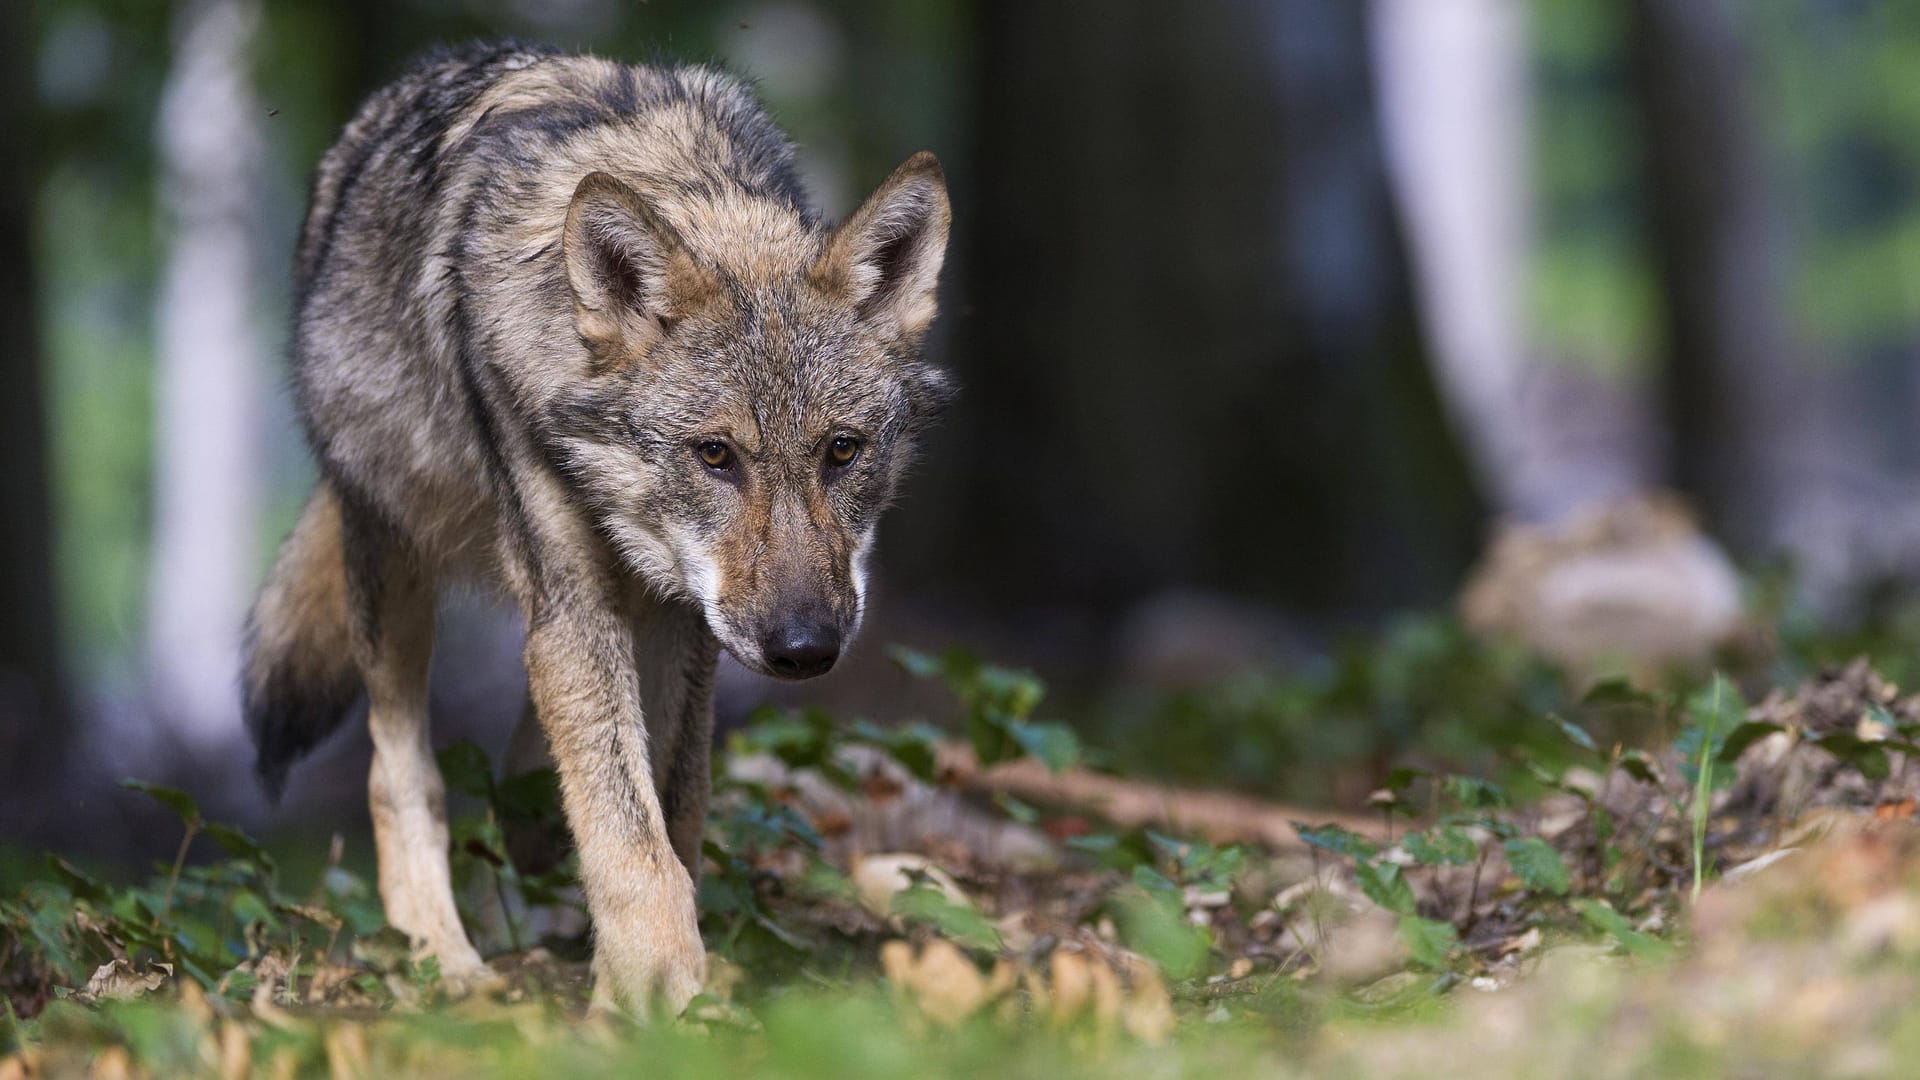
(802, 649)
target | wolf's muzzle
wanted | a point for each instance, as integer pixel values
(802, 648)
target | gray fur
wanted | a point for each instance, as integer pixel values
(533, 290)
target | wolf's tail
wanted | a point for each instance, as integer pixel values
(299, 678)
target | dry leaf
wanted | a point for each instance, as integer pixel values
(1898, 810)
(236, 1052)
(116, 980)
(877, 879)
(941, 981)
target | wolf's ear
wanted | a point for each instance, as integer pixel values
(631, 277)
(885, 259)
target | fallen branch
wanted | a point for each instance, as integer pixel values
(1216, 816)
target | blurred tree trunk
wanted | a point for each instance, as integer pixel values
(1454, 97)
(206, 497)
(1188, 344)
(32, 731)
(1721, 253)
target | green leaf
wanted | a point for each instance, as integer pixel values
(915, 663)
(1447, 845)
(1577, 734)
(466, 769)
(1635, 764)
(1743, 736)
(238, 844)
(1537, 865)
(174, 799)
(82, 885)
(1159, 931)
(914, 746)
(532, 796)
(1866, 756)
(1428, 940)
(1024, 813)
(1475, 793)
(1402, 778)
(1385, 885)
(1054, 745)
(1333, 838)
(247, 906)
(1605, 919)
(1616, 691)
(1717, 706)
(929, 906)
(1155, 882)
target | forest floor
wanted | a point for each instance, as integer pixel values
(1670, 882)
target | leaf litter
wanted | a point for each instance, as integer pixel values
(1470, 906)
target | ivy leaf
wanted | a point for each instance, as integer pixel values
(1615, 691)
(1402, 778)
(1334, 839)
(174, 799)
(238, 844)
(1537, 865)
(928, 905)
(1428, 941)
(915, 663)
(1385, 885)
(1605, 919)
(466, 769)
(1160, 932)
(1054, 745)
(1635, 764)
(1475, 793)
(1867, 757)
(532, 796)
(1448, 845)
(1577, 734)
(1744, 736)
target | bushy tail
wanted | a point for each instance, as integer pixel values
(299, 677)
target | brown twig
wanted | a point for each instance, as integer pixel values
(1217, 816)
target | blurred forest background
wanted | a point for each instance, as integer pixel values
(1265, 311)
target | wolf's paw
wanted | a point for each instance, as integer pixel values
(467, 980)
(654, 969)
(462, 972)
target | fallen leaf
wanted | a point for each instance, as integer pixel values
(940, 980)
(1895, 811)
(117, 980)
(877, 879)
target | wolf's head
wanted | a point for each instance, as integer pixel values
(755, 389)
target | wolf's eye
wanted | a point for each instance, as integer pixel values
(843, 449)
(715, 454)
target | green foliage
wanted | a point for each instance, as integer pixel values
(1424, 691)
(1429, 941)
(997, 705)
(1537, 865)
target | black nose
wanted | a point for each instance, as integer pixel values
(802, 650)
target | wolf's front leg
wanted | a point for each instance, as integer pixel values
(585, 688)
(392, 634)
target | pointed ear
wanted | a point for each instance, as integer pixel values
(885, 259)
(631, 277)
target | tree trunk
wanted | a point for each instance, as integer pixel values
(1188, 348)
(32, 729)
(1720, 250)
(1454, 90)
(208, 446)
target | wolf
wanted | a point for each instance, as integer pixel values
(570, 329)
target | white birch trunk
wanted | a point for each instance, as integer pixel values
(1453, 92)
(207, 387)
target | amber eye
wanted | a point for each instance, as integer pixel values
(715, 454)
(843, 449)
